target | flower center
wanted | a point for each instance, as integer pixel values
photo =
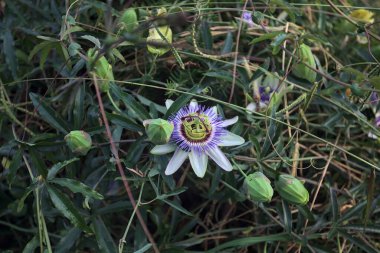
(196, 127)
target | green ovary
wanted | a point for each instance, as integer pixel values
(196, 127)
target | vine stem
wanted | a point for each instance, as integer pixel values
(236, 55)
(120, 167)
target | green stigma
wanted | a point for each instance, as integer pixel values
(196, 127)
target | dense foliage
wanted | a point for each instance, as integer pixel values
(80, 81)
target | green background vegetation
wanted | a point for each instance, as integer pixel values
(53, 200)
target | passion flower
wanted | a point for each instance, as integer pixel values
(198, 133)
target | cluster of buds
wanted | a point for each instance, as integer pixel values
(289, 188)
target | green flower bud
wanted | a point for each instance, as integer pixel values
(158, 130)
(79, 142)
(306, 57)
(292, 190)
(102, 69)
(363, 16)
(128, 20)
(258, 187)
(160, 35)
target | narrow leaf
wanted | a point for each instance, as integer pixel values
(67, 208)
(48, 114)
(177, 206)
(103, 237)
(181, 101)
(76, 186)
(58, 166)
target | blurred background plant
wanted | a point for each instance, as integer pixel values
(79, 78)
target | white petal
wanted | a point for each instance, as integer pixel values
(193, 104)
(214, 109)
(230, 139)
(217, 155)
(229, 122)
(177, 160)
(147, 122)
(198, 161)
(168, 103)
(263, 105)
(163, 149)
(251, 107)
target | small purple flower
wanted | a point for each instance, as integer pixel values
(198, 133)
(377, 119)
(265, 93)
(374, 98)
(247, 18)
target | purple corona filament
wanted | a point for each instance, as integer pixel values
(193, 119)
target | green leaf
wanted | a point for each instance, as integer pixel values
(277, 42)
(38, 163)
(103, 237)
(32, 245)
(144, 249)
(365, 246)
(334, 204)
(48, 114)
(45, 53)
(58, 166)
(227, 47)
(371, 189)
(77, 186)
(65, 53)
(92, 39)
(68, 241)
(14, 166)
(362, 228)
(172, 193)
(305, 211)
(206, 34)
(182, 100)
(245, 242)
(375, 81)
(67, 208)
(9, 51)
(114, 208)
(131, 103)
(117, 53)
(135, 151)
(124, 122)
(74, 49)
(39, 47)
(177, 206)
(71, 30)
(78, 110)
(287, 216)
(21, 201)
(267, 36)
